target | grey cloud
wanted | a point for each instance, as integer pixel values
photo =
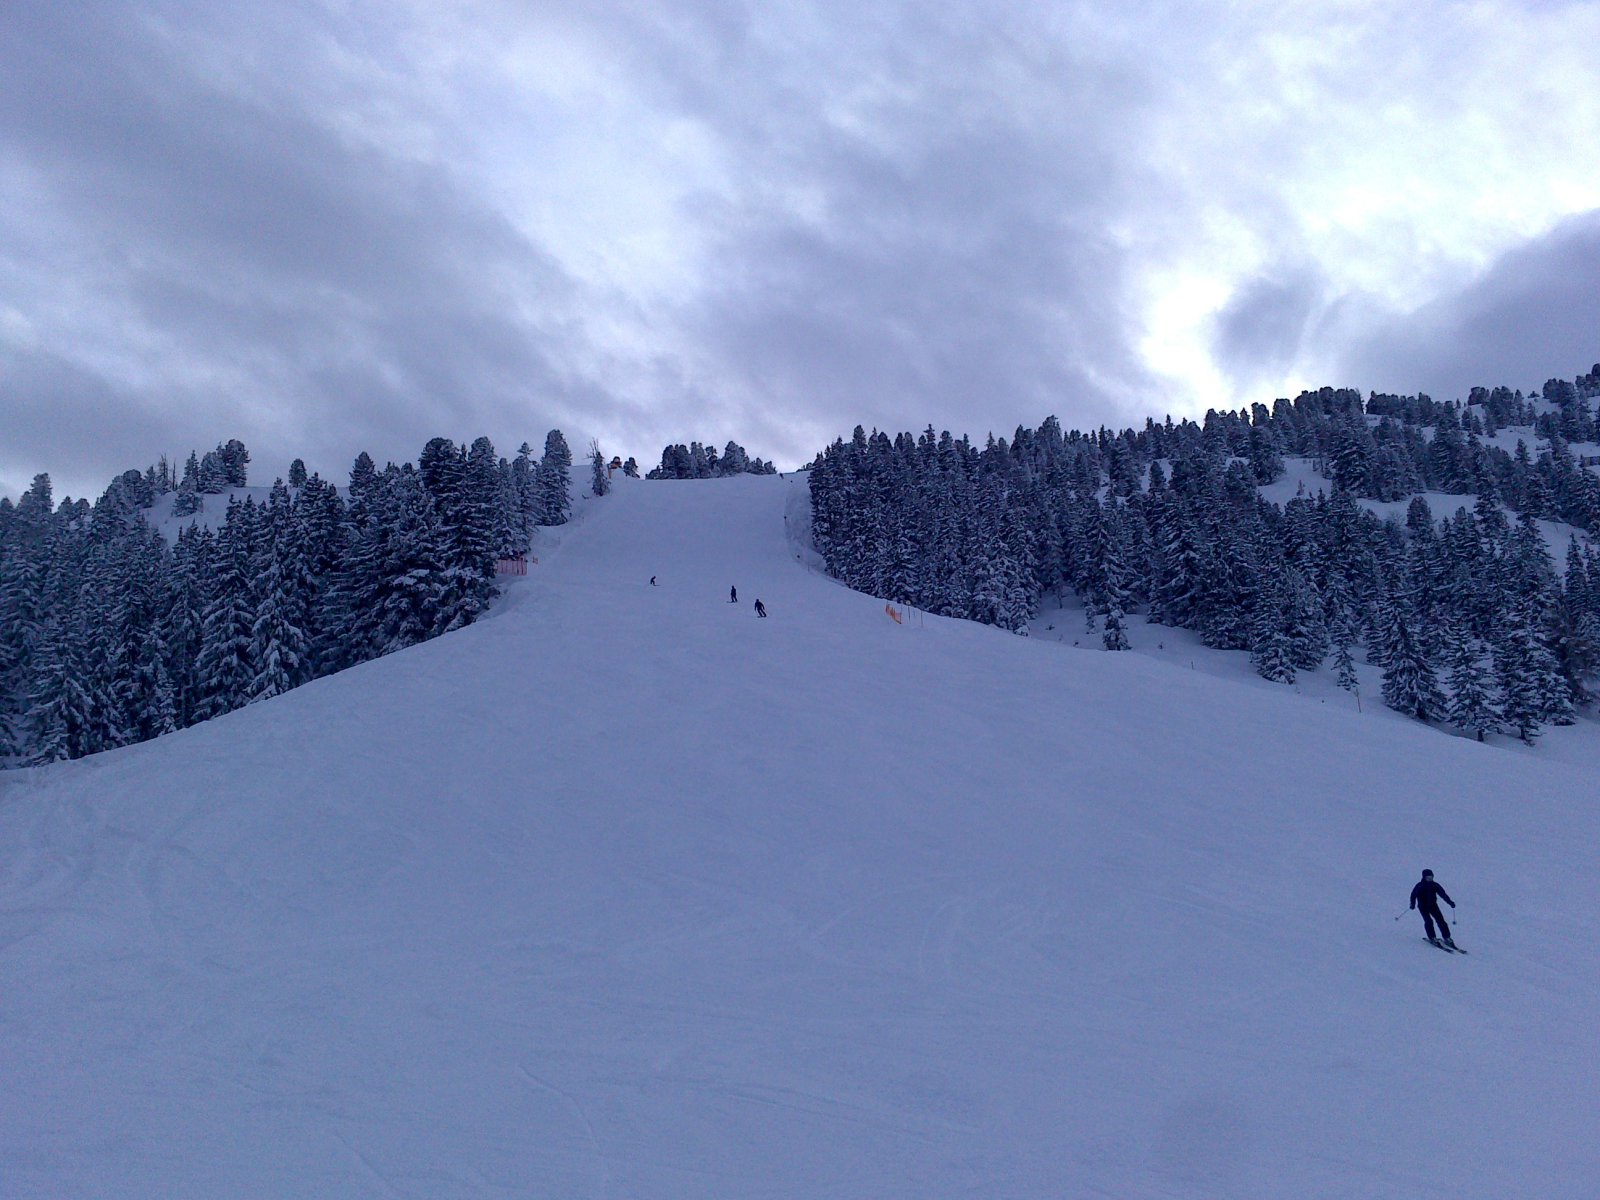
(1262, 330)
(948, 258)
(1533, 315)
(68, 411)
(295, 224)
(339, 298)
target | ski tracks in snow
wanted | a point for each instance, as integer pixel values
(602, 1163)
(365, 1164)
(52, 849)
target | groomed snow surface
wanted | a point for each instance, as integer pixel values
(624, 892)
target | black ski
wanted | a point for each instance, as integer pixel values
(1438, 943)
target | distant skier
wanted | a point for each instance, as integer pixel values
(733, 595)
(652, 581)
(1427, 895)
(761, 609)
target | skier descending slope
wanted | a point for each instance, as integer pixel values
(1427, 895)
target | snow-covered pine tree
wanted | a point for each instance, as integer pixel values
(280, 649)
(1471, 705)
(1178, 566)
(60, 711)
(362, 473)
(136, 597)
(1116, 575)
(317, 543)
(510, 535)
(1227, 601)
(441, 467)
(1307, 631)
(1575, 627)
(1022, 587)
(482, 481)
(469, 527)
(1466, 599)
(1493, 528)
(224, 668)
(1516, 677)
(465, 487)
(187, 502)
(1095, 543)
(900, 568)
(525, 474)
(997, 548)
(183, 623)
(556, 450)
(1527, 574)
(234, 460)
(161, 716)
(105, 632)
(554, 480)
(72, 696)
(1409, 683)
(211, 477)
(994, 595)
(411, 581)
(1114, 635)
(1272, 651)
(27, 544)
(1350, 456)
(1344, 663)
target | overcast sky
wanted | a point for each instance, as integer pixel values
(324, 227)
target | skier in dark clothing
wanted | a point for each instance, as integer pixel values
(761, 609)
(733, 595)
(1426, 895)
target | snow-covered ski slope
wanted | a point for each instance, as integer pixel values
(624, 892)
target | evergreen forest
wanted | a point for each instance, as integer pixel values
(1472, 619)
(112, 634)
(697, 461)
